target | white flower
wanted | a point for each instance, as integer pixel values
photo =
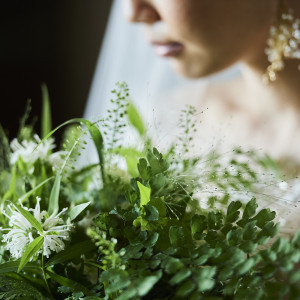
(54, 234)
(19, 236)
(22, 233)
(30, 153)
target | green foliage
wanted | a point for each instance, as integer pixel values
(115, 122)
(31, 250)
(135, 119)
(187, 124)
(54, 195)
(25, 130)
(11, 288)
(31, 219)
(71, 253)
(13, 266)
(78, 209)
(198, 255)
(4, 151)
(46, 120)
(142, 233)
(63, 281)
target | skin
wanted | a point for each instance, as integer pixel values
(215, 34)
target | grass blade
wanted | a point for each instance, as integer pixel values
(24, 119)
(69, 283)
(12, 266)
(4, 151)
(11, 193)
(135, 119)
(75, 211)
(71, 253)
(96, 137)
(30, 218)
(54, 195)
(24, 197)
(30, 251)
(46, 111)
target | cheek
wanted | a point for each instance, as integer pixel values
(193, 22)
(196, 24)
(215, 33)
(211, 23)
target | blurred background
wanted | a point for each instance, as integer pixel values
(51, 41)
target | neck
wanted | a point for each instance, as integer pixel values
(284, 92)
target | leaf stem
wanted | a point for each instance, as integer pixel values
(45, 278)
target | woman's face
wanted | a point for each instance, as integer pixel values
(204, 36)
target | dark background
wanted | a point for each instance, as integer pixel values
(51, 41)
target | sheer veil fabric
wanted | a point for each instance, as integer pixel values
(154, 88)
(125, 56)
(159, 95)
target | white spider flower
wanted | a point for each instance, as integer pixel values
(30, 153)
(19, 236)
(22, 233)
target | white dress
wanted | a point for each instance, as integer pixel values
(224, 125)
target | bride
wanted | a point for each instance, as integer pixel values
(260, 108)
(257, 106)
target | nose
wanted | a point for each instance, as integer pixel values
(140, 11)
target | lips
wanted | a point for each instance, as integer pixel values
(167, 49)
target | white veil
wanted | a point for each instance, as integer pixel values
(125, 56)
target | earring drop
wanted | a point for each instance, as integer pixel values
(283, 43)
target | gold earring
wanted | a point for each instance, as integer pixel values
(283, 43)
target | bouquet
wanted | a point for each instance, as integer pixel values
(138, 224)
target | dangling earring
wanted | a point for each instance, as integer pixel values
(283, 43)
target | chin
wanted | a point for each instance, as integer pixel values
(195, 69)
